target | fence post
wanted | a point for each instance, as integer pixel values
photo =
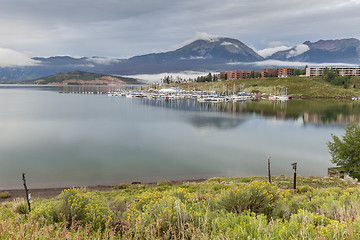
(294, 167)
(269, 173)
(26, 192)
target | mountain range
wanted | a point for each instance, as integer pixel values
(323, 51)
(212, 54)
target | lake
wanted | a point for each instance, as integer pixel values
(61, 139)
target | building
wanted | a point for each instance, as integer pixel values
(222, 75)
(237, 74)
(285, 72)
(343, 71)
(269, 72)
(266, 72)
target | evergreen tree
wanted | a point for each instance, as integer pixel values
(345, 152)
(252, 74)
(329, 74)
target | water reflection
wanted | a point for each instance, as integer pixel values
(318, 112)
(314, 111)
(222, 123)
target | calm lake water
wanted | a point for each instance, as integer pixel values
(81, 139)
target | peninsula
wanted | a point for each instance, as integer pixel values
(83, 78)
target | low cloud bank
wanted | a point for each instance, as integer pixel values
(12, 58)
(270, 51)
(159, 76)
(103, 60)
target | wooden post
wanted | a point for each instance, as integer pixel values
(26, 191)
(269, 173)
(294, 167)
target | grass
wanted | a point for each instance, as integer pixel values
(218, 208)
(304, 87)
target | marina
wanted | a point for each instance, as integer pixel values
(200, 96)
(176, 93)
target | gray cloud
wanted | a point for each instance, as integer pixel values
(126, 28)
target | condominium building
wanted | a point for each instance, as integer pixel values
(266, 72)
(222, 75)
(286, 72)
(269, 72)
(342, 71)
(237, 74)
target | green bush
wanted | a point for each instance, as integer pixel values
(4, 194)
(120, 204)
(282, 209)
(215, 179)
(305, 189)
(165, 183)
(122, 186)
(259, 197)
(22, 208)
(75, 207)
(246, 179)
(355, 175)
(162, 188)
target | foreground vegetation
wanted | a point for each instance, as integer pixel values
(302, 87)
(219, 208)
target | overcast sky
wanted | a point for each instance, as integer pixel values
(124, 28)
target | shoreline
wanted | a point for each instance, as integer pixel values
(337, 95)
(55, 191)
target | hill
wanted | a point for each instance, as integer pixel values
(298, 87)
(83, 78)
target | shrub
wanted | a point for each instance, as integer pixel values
(216, 179)
(79, 205)
(22, 208)
(164, 183)
(75, 206)
(282, 209)
(120, 204)
(4, 195)
(122, 186)
(246, 179)
(259, 197)
(162, 188)
(355, 175)
(305, 189)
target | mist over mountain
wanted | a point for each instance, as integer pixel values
(330, 51)
(207, 54)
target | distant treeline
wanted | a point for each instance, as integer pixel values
(333, 77)
(214, 77)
